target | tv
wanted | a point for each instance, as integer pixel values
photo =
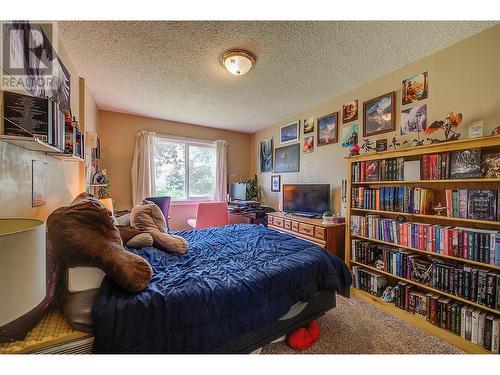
(238, 191)
(310, 200)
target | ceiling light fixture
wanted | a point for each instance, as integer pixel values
(238, 61)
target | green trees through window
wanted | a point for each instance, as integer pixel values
(184, 170)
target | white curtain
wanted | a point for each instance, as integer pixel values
(143, 167)
(220, 170)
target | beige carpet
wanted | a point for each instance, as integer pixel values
(356, 327)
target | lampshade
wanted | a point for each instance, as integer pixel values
(108, 203)
(238, 62)
(23, 279)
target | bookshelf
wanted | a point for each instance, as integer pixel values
(439, 186)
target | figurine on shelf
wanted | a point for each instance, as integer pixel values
(367, 145)
(496, 131)
(439, 209)
(394, 143)
(433, 140)
(450, 122)
(354, 150)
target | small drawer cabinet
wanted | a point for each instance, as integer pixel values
(329, 236)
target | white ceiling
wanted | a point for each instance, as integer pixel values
(172, 70)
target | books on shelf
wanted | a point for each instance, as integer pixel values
(457, 317)
(463, 164)
(396, 199)
(460, 203)
(369, 281)
(480, 286)
(468, 243)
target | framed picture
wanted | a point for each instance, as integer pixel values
(287, 159)
(378, 115)
(328, 129)
(381, 145)
(309, 125)
(415, 88)
(349, 135)
(266, 155)
(38, 184)
(414, 119)
(350, 111)
(276, 183)
(308, 144)
(289, 133)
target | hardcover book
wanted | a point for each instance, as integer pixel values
(466, 164)
(372, 171)
(482, 205)
(491, 165)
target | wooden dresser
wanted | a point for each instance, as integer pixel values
(329, 236)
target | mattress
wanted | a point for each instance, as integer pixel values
(233, 280)
(77, 310)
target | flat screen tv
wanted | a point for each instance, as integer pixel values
(306, 199)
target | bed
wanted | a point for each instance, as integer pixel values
(236, 289)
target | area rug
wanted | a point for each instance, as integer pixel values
(356, 327)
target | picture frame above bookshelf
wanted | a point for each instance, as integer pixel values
(364, 201)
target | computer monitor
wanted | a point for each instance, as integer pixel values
(238, 191)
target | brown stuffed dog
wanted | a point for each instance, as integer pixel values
(147, 217)
(84, 234)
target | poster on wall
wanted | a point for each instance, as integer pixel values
(38, 184)
(349, 135)
(266, 155)
(415, 88)
(43, 74)
(414, 119)
(287, 159)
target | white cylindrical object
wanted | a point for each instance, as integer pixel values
(23, 267)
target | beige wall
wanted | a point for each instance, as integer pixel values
(64, 179)
(462, 78)
(117, 135)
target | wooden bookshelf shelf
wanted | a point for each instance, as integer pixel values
(426, 182)
(29, 143)
(420, 323)
(432, 217)
(482, 142)
(458, 259)
(487, 144)
(430, 289)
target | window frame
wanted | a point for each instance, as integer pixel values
(188, 142)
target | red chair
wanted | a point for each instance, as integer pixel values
(210, 214)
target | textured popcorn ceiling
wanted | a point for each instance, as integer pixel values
(172, 70)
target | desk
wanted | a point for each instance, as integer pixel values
(253, 216)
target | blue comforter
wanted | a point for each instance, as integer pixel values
(232, 280)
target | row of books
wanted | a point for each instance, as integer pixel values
(473, 324)
(474, 244)
(463, 164)
(473, 204)
(378, 170)
(470, 323)
(476, 285)
(397, 199)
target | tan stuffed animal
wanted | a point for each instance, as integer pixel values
(147, 217)
(84, 234)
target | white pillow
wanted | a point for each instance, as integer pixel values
(84, 278)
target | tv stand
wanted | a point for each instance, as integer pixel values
(328, 236)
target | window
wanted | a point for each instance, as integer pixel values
(184, 170)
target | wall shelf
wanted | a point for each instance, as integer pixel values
(29, 143)
(65, 157)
